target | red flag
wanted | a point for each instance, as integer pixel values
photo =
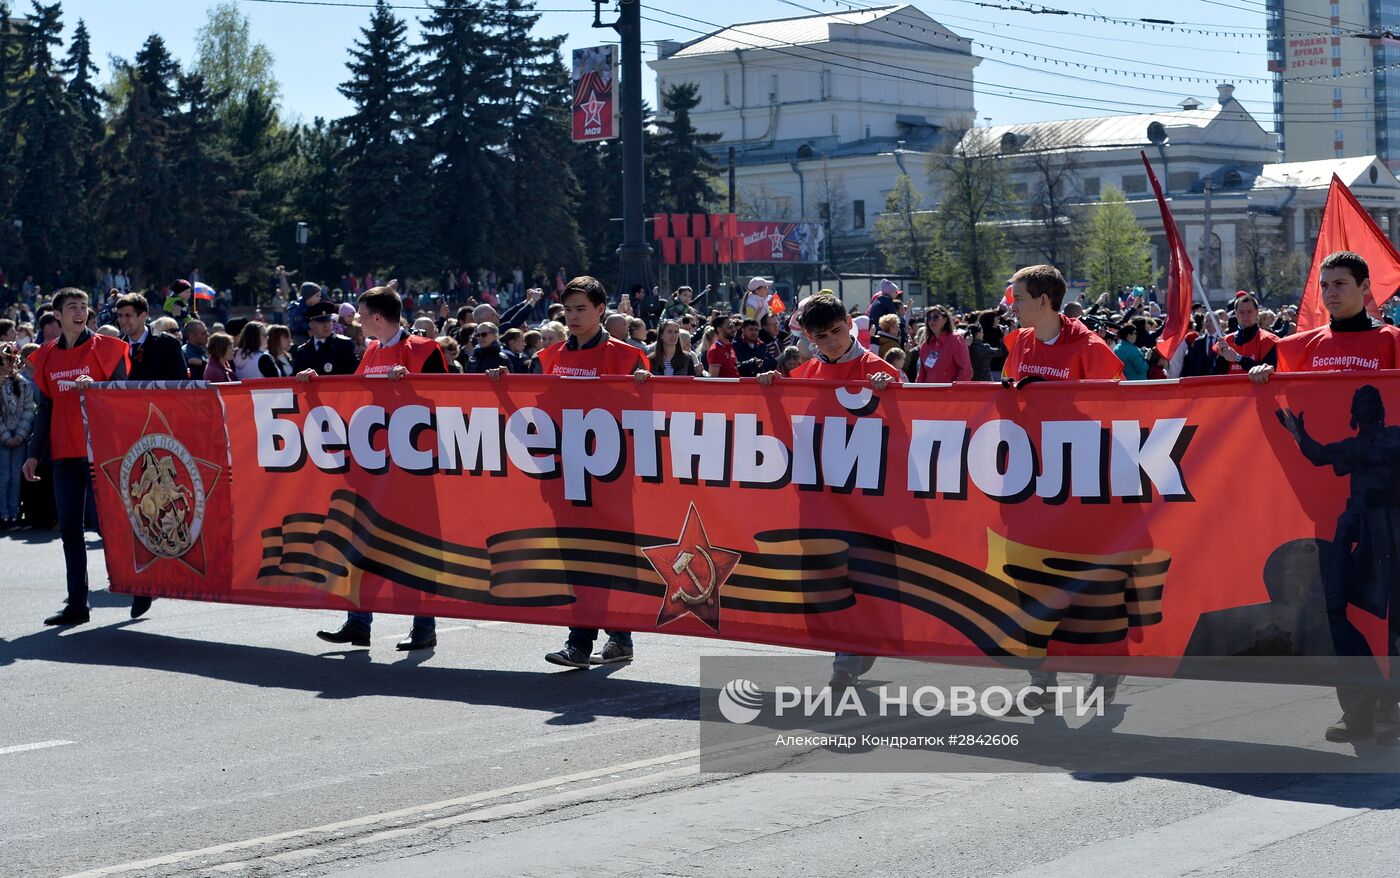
(1347, 226)
(1177, 312)
(776, 304)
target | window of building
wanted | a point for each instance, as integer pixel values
(1091, 187)
(1232, 180)
(1134, 184)
(1182, 181)
(858, 214)
(824, 211)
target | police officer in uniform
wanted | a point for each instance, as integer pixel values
(325, 352)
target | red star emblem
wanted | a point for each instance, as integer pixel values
(592, 111)
(694, 571)
(164, 490)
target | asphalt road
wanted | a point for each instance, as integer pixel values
(221, 740)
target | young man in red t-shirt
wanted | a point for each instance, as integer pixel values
(1350, 342)
(393, 353)
(77, 357)
(720, 359)
(1050, 346)
(839, 357)
(589, 352)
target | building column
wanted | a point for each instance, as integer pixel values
(1393, 228)
(1298, 229)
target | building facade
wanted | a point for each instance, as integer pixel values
(824, 112)
(1335, 94)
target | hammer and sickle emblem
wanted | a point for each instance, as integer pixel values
(703, 593)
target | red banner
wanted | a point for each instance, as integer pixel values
(1074, 519)
(749, 240)
(595, 104)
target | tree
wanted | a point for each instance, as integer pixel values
(219, 233)
(1266, 266)
(465, 93)
(85, 103)
(688, 173)
(545, 189)
(138, 190)
(1117, 252)
(385, 161)
(761, 201)
(11, 247)
(159, 72)
(908, 236)
(228, 60)
(1050, 232)
(970, 176)
(48, 195)
(311, 181)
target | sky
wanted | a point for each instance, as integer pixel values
(1213, 41)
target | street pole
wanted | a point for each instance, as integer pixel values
(634, 256)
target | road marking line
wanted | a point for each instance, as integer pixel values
(400, 814)
(39, 745)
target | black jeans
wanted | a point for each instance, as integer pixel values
(583, 638)
(72, 489)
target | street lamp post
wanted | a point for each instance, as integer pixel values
(634, 256)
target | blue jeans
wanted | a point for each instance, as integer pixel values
(583, 638)
(11, 461)
(421, 624)
(72, 488)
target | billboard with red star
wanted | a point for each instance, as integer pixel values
(595, 93)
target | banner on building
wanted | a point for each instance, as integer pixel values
(1062, 519)
(596, 106)
(711, 238)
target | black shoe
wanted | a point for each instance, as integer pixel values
(613, 652)
(841, 681)
(414, 640)
(139, 606)
(1351, 727)
(68, 616)
(570, 657)
(346, 634)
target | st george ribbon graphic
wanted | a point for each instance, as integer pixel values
(969, 522)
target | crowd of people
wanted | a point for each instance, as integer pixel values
(48, 347)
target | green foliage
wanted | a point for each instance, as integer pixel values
(1117, 252)
(689, 177)
(971, 177)
(908, 237)
(229, 62)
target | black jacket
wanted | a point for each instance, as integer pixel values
(335, 357)
(160, 357)
(489, 357)
(1200, 357)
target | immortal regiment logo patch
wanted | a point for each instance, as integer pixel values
(164, 490)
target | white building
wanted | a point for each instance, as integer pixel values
(816, 106)
(1220, 146)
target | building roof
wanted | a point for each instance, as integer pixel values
(803, 30)
(1317, 174)
(1098, 133)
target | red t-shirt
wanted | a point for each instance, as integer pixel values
(722, 354)
(413, 352)
(608, 357)
(1256, 349)
(859, 369)
(1076, 355)
(1322, 350)
(98, 356)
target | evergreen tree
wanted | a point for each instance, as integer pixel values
(1117, 252)
(258, 145)
(138, 194)
(85, 102)
(688, 172)
(465, 76)
(386, 195)
(11, 248)
(160, 73)
(545, 193)
(311, 179)
(218, 232)
(48, 195)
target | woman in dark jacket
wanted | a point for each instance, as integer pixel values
(667, 357)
